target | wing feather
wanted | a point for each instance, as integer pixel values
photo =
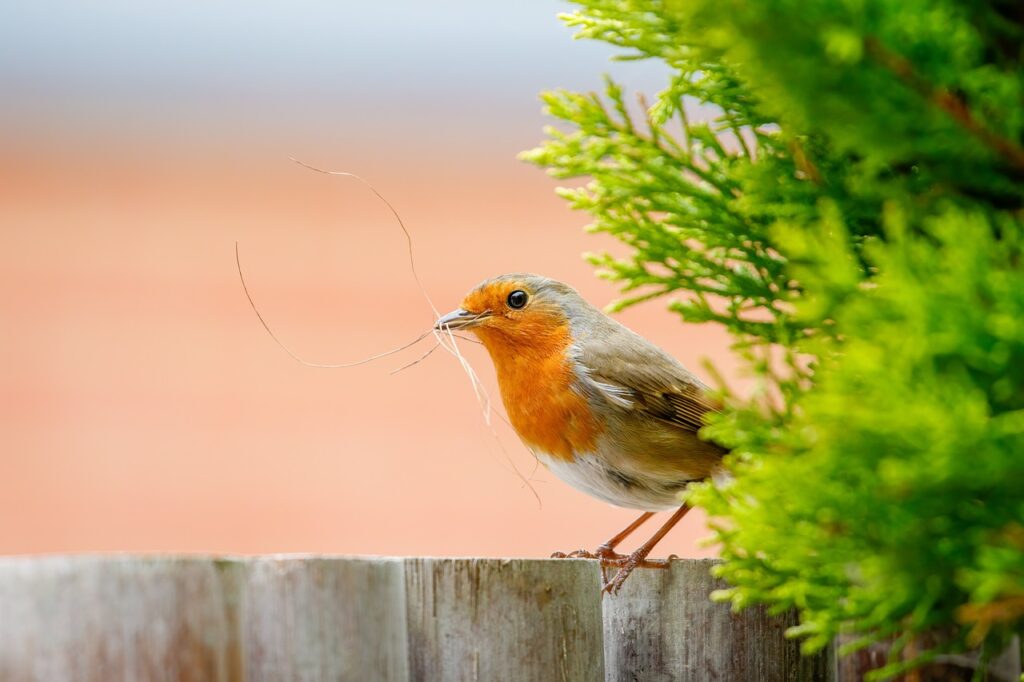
(639, 376)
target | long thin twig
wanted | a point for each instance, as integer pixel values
(318, 365)
(444, 336)
(394, 212)
(955, 106)
(417, 360)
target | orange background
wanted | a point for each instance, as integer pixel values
(142, 407)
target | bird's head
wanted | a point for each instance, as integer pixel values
(519, 312)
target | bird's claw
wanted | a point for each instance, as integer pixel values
(605, 554)
(575, 554)
(583, 554)
(635, 560)
(625, 569)
(609, 558)
(623, 561)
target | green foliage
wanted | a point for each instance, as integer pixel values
(849, 206)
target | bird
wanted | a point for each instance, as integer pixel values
(604, 409)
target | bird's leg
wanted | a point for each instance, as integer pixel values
(639, 557)
(606, 551)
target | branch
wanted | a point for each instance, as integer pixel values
(944, 100)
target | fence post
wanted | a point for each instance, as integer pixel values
(309, 619)
(504, 620)
(663, 626)
(304, 620)
(115, 618)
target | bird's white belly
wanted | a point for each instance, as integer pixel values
(588, 474)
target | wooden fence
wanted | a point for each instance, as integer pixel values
(308, 618)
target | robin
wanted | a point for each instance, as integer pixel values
(605, 410)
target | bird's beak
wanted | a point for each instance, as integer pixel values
(459, 319)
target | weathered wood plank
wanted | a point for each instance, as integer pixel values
(304, 620)
(1005, 667)
(311, 619)
(504, 620)
(663, 626)
(112, 618)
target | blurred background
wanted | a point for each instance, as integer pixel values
(142, 406)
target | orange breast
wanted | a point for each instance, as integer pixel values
(536, 380)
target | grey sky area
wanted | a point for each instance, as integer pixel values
(80, 65)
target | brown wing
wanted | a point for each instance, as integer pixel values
(641, 377)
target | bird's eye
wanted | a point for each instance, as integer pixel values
(517, 299)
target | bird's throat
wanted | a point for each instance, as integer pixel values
(537, 383)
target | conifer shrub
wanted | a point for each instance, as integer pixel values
(852, 211)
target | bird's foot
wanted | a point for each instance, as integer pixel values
(604, 553)
(638, 560)
(627, 565)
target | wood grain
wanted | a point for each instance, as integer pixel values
(101, 619)
(1006, 667)
(663, 626)
(504, 620)
(309, 619)
(323, 619)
